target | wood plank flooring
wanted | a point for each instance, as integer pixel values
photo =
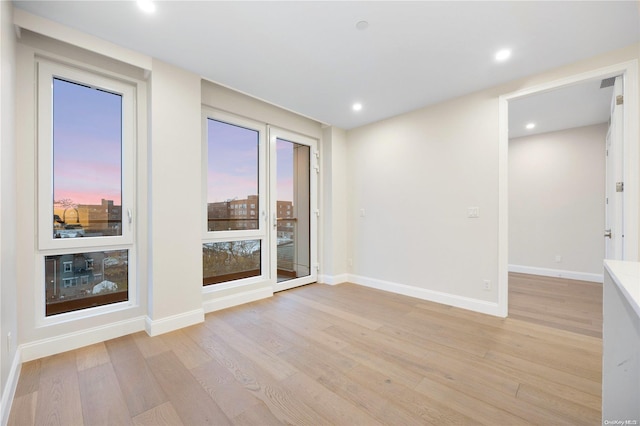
(325, 355)
(557, 302)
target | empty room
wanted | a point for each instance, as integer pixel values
(340, 213)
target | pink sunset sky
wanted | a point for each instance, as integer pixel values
(87, 144)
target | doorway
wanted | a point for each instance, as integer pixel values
(614, 193)
(294, 211)
(629, 73)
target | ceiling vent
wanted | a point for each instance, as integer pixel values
(607, 82)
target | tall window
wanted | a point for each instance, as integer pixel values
(85, 188)
(233, 240)
(87, 161)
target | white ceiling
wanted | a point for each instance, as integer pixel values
(309, 57)
(577, 105)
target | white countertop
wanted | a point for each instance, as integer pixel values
(627, 276)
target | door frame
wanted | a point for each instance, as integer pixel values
(614, 172)
(275, 133)
(234, 292)
(631, 152)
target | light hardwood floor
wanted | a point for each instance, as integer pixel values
(566, 304)
(320, 355)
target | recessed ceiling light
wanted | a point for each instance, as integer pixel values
(530, 126)
(362, 25)
(357, 106)
(147, 6)
(503, 55)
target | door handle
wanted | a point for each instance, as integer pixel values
(607, 233)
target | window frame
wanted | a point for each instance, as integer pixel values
(47, 70)
(218, 236)
(261, 213)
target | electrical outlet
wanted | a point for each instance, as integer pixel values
(473, 212)
(486, 285)
(558, 258)
(349, 262)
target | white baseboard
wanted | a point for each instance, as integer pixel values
(9, 391)
(558, 273)
(67, 342)
(333, 279)
(173, 322)
(476, 305)
(229, 301)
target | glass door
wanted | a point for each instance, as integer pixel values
(259, 204)
(293, 209)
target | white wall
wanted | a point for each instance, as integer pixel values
(8, 266)
(416, 174)
(175, 276)
(556, 201)
(334, 262)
